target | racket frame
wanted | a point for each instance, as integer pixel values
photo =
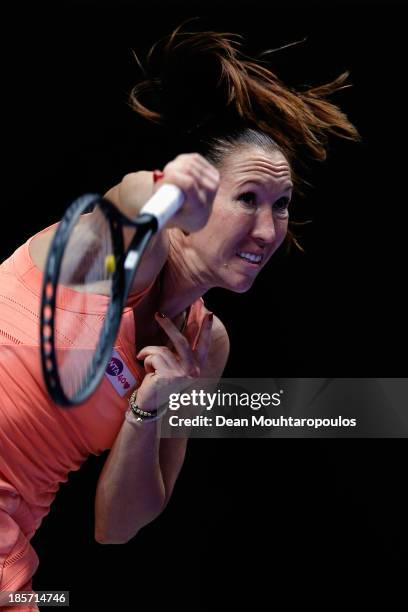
(126, 265)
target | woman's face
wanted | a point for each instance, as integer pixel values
(249, 219)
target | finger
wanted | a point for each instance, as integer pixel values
(190, 331)
(206, 170)
(180, 342)
(192, 180)
(198, 160)
(163, 351)
(196, 165)
(152, 348)
(204, 177)
(205, 165)
(155, 364)
(204, 340)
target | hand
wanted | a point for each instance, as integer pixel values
(199, 180)
(172, 370)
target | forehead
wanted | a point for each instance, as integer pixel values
(257, 164)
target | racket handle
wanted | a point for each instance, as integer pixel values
(164, 204)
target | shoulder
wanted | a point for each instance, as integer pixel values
(219, 332)
(219, 349)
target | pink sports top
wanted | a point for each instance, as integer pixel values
(40, 443)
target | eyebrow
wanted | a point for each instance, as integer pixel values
(244, 182)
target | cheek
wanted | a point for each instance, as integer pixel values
(208, 239)
(225, 224)
(281, 228)
(282, 224)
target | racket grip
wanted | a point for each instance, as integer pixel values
(164, 203)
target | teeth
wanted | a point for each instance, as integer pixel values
(250, 256)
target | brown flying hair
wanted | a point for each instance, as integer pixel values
(211, 98)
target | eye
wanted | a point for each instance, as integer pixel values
(282, 204)
(249, 197)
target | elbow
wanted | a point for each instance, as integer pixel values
(103, 536)
(105, 539)
(119, 535)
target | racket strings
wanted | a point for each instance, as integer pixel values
(82, 297)
(84, 261)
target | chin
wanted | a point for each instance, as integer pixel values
(242, 286)
(239, 290)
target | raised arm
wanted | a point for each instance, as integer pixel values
(129, 196)
(199, 182)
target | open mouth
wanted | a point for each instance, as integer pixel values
(251, 259)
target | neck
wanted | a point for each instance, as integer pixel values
(183, 281)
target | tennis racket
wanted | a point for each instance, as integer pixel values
(86, 283)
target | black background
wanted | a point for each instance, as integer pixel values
(260, 518)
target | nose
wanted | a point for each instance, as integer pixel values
(263, 230)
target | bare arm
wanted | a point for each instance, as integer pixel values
(130, 490)
(129, 196)
(140, 472)
(199, 182)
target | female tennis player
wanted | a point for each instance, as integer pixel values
(241, 137)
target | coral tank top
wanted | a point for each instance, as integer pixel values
(40, 443)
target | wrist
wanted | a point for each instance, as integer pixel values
(137, 421)
(141, 414)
